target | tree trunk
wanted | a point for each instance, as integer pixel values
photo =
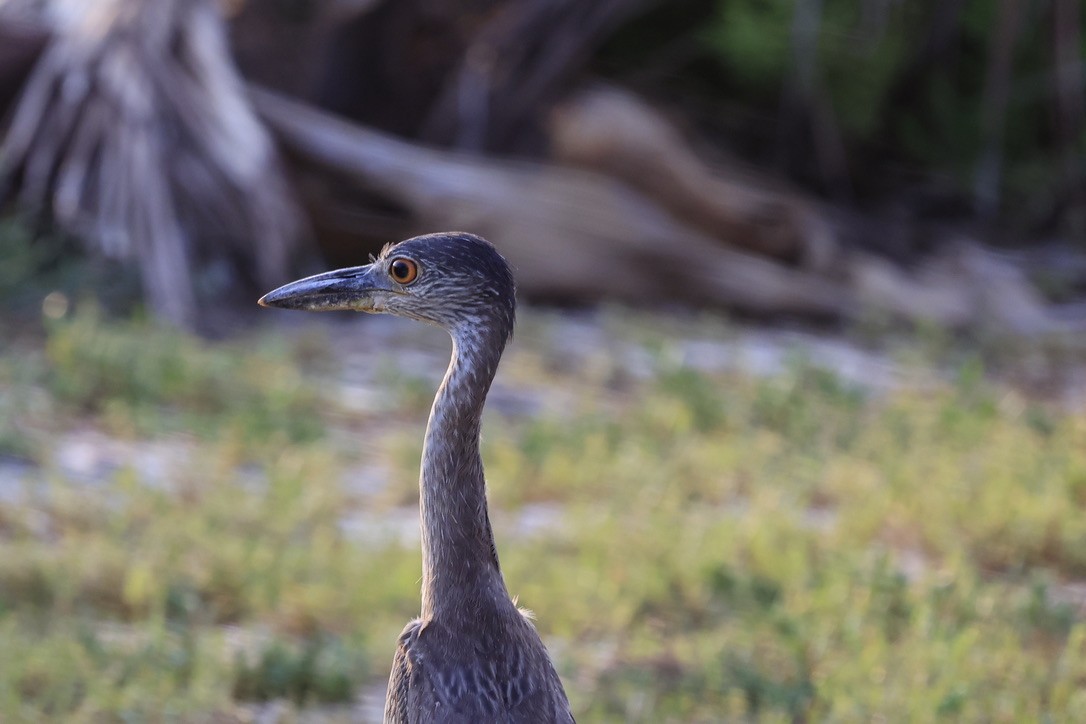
(134, 133)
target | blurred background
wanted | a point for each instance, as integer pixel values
(793, 427)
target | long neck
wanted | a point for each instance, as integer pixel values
(459, 560)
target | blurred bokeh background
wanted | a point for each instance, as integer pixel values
(793, 428)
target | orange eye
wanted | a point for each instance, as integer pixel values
(403, 271)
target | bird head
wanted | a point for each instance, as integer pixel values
(453, 280)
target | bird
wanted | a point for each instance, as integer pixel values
(472, 656)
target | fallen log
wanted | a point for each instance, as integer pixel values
(571, 234)
(607, 129)
(575, 235)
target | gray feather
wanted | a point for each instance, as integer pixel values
(472, 657)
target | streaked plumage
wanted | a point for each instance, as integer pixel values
(471, 656)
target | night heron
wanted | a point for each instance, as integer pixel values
(472, 656)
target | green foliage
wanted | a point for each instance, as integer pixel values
(134, 372)
(72, 670)
(22, 258)
(855, 66)
(37, 264)
(804, 547)
(753, 40)
(900, 86)
(727, 547)
(858, 61)
(17, 398)
(321, 670)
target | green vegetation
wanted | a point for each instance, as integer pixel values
(901, 91)
(140, 372)
(778, 549)
(37, 261)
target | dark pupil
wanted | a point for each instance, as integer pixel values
(401, 270)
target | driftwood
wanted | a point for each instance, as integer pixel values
(611, 130)
(578, 235)
(571, 234)
(964, 285)
(134, 134)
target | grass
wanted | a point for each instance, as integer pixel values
(760, 549)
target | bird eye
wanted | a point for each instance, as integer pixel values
(403, 271)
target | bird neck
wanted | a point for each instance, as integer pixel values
(460, 561)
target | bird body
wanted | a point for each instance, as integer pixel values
(496, 670)
(472, 656)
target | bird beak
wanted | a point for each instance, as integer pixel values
(359, 288)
